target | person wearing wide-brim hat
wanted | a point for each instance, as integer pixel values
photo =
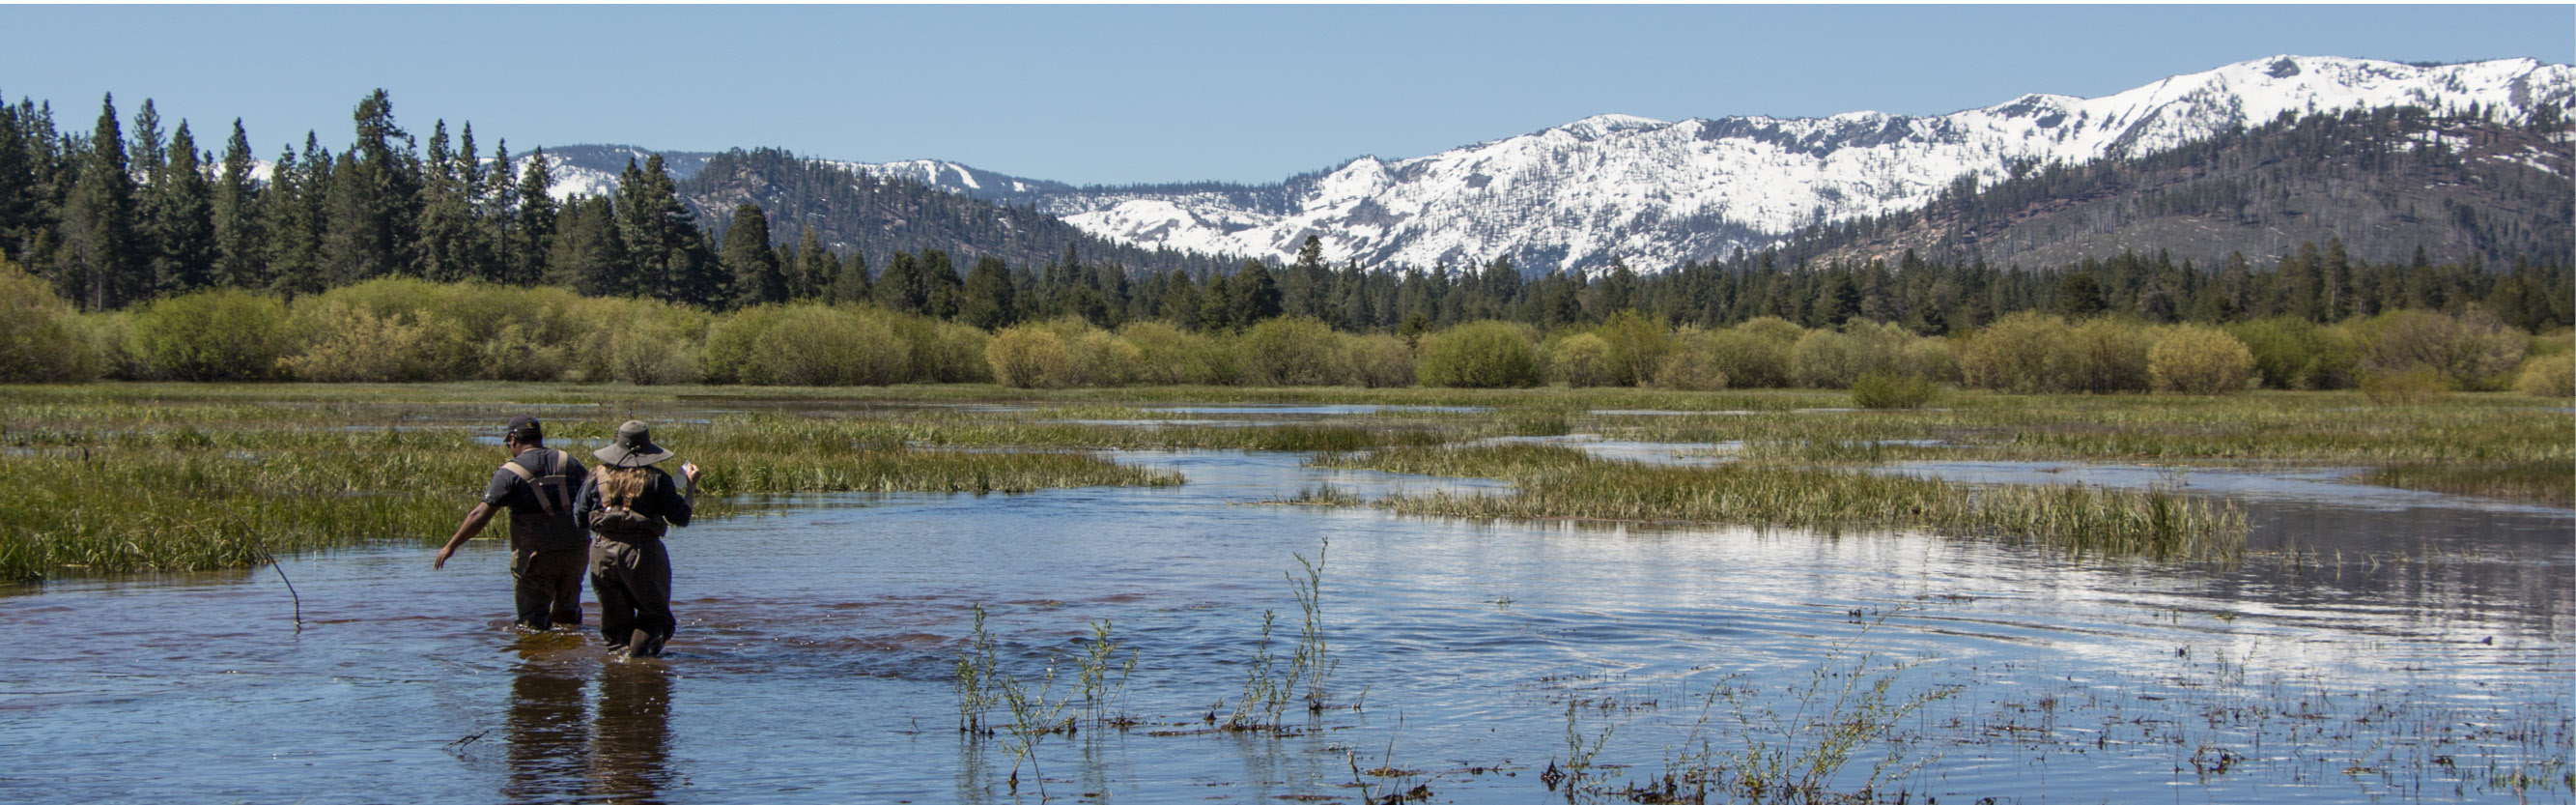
(628, 504)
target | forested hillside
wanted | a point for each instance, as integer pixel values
(2386, 182)
(859, 212)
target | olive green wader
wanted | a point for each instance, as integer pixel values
(547, 547)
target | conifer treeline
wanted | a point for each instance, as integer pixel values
(117, 217)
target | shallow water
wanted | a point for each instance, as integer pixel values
(2377, 645)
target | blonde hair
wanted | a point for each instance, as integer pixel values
(620, 486)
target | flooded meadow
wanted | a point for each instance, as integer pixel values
(1185, 631)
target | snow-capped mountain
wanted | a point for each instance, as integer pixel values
(1657, 193)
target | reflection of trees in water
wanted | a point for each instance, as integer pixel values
(631, 745)
(561, 749)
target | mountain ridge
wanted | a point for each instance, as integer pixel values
(1653, 193)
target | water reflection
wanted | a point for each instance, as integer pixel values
(630, 747)
(549, 728)
(563, 750)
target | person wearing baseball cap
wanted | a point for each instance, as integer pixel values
(547, 549)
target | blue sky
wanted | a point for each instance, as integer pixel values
(1124, 94)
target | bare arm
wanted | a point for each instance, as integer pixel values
(474, 522)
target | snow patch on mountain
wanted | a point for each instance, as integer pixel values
(1657, 193)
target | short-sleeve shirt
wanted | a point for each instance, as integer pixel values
(531, 527)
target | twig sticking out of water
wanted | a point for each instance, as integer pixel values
(290, 588)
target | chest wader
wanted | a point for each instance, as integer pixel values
(630, 571)
(546, 547)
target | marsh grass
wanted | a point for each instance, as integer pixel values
(1555, 483)
(107, 480)
(2316, 427)
(2550, 482)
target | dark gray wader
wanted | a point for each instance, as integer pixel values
(547, 548)
(631, 574)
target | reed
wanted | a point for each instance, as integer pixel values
(1561, 484)
(110, 480)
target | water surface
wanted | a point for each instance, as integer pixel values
(2376, 645)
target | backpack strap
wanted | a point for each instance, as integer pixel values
(554, 469)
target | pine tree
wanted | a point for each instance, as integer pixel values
(535, 221)
(1181, 302)
(749, 260)
(945, 288)
(180, 218)
(1302, 290)
(663, 239)
(588, 252)
(1217, 306)
(815, 267)
(1253, 294)
(989, 298)
(99, 261)
(902, 289)
(20, 193)
(851, 285)
(375, 200)
(445, 215)
(239, 262)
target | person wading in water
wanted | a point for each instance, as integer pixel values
(629, 504)
(546, 545)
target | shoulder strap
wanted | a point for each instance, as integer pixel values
(554, 469)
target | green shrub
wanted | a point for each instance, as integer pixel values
(955, 349)
(731, 340)
(211, 335)
(106, 337)
(1581, 360)
(2192, 359)
(1168, 355)
(1825, 359)
(351, 342)
(2021, 353)
(815, 345)
(1690, 370)
(1883, 390)
(1376, 361)
(1772, 328)
(1101, 359)
(641, 341)
(2473, 352)
(1754, 354)
(1028, 356)
(1289, 351)
(2108, 355)
(1636, 347)
(41, 339)
(1482, 354)
(2552, 375)
(2294, 353)
(1933, 359)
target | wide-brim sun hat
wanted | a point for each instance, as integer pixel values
(634, 447)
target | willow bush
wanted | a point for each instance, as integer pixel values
(1483, 354)
(1579, 360)
(2192, 359)
(41, 339)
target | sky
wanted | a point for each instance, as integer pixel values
(1157, 93)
